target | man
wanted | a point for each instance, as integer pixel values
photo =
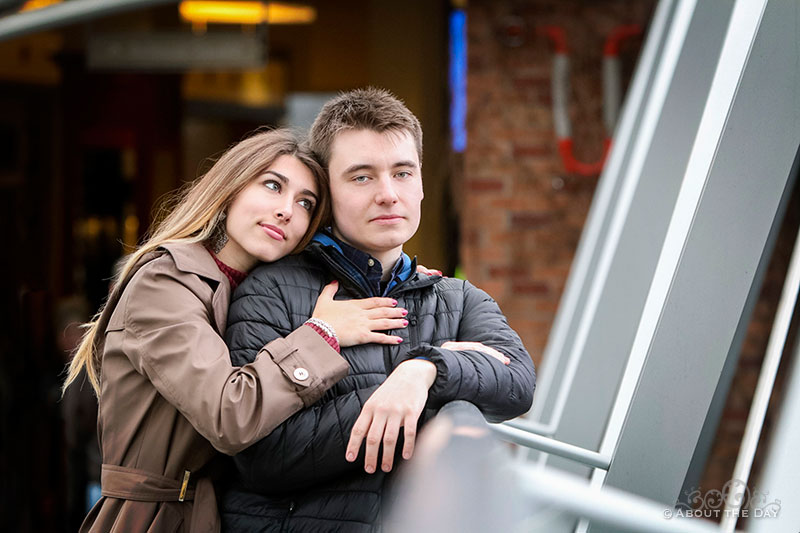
(308, 474)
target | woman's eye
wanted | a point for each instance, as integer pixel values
(360, 179)
(272, 185)
(308, 205)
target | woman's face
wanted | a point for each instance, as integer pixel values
(271, 215)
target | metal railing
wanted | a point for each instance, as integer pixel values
(463, 479)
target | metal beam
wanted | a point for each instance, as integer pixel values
(738, 176)
(67, 13)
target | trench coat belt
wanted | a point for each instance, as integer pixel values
(140, 485)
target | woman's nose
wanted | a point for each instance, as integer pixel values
(284, 212)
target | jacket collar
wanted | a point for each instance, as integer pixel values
(345, 271)
(193, 258)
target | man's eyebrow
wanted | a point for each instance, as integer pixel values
(357, 167)
(366, 166)
(285, 180)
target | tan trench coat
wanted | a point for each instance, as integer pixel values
(170, 397)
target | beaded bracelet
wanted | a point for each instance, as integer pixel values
(324, 326)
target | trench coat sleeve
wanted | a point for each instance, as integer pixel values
(306, 450)
(500, 391)
(169, 338)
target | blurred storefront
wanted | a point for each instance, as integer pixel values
(109, 107)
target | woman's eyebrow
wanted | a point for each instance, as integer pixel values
(285, 180)
(278, 175)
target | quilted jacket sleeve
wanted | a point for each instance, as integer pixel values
(500, 391)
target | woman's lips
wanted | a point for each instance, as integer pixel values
(274, 232)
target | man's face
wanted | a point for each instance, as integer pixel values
(376, 190)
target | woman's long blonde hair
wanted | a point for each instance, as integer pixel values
(196, 211)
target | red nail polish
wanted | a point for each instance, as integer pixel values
(405, 322)
(405, 312)
(399, 340)
(394, 302)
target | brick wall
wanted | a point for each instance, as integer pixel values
(522, 214)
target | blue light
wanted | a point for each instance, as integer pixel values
(458, 79)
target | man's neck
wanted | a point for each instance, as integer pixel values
(388, 259)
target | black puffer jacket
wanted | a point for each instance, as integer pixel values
(296, 478)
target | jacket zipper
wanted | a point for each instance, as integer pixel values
(354, 282)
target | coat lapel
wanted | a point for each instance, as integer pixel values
(220, 302)
(195, 258)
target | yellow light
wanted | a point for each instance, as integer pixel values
(200, 12)
(280, 13)
(30, 5)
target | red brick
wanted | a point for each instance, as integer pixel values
(532, 150)
(530, 220)
(508, 272)
(485, 185)
(530, 287)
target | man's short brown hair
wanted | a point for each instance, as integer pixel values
(362, 109)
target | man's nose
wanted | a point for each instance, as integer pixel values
(386, 193)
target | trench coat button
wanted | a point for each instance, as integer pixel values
(300, 374)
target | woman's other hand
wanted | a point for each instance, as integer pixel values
(358, 321)
(424, 270)
(478, 347)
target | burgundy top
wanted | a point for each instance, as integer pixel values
(233, 275)
(237, 276)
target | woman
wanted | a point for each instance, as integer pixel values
(169, 396)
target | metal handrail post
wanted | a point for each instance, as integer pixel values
(555, 447)
(766, 382)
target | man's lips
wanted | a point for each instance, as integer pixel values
(274, 232)
(387, 219)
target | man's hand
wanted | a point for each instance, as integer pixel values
(397, 403)
(478, 347)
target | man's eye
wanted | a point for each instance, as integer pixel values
(360, 179)
(403, 174)
(272, 185)
(308, 205)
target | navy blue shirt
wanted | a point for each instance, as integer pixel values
(369, 267)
